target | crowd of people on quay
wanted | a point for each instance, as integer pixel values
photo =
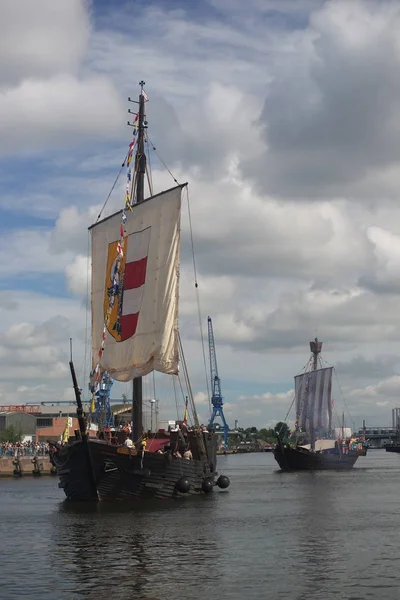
(10, 449)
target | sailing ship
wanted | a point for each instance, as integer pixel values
(315, 448)
(135, 295)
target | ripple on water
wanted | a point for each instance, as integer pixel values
(304, 535)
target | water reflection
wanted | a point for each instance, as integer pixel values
(317, 554)
(121, 550)
(302, 536)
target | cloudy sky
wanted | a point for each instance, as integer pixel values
(283, 116)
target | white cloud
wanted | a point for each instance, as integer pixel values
(258, 112)
(47, 97)
(28, 252)
(201, 399)
(330, 119)
(61, 111)
(386, 275)
(78, 276)
(266, 6)
(42, 39)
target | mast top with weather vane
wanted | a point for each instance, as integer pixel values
(315, 347)
(140, 160)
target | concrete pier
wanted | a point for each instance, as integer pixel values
(27, 466)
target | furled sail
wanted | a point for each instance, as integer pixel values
(313, 401)
(135, 301)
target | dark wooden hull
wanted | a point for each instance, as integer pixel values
(115, 473)
(300, 459)
(393, 448)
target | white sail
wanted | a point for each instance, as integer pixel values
(313, 401)
(142, 328)
(342, 433)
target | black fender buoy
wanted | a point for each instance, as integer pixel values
(207, 486)
(183, 485)
(223, 482)
(17, 473)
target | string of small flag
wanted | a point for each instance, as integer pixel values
(96, 374)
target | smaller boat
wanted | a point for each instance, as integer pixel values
(269, 447)
(314, 447)
(394, 445)
(245, 447)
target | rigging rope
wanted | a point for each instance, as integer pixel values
(342, 395)
(155, 398)
(202, 446)
(149, 173)
(290, 408)
(294, 397)
(114, 290)
(196, 285)
(87, 333)
(161, 160)
(174, 378)
(112, 189)
(187, 381)
(344, 400)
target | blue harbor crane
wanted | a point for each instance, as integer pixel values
(103, 415)
(216, 396)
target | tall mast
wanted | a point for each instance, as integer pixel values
(140, 172)
(316, 348)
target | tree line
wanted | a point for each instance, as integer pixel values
(267, 435)
(11, 434)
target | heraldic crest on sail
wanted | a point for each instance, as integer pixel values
(125, 281)
(135, 296)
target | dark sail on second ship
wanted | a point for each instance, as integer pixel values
(314, 447)
(313, 392)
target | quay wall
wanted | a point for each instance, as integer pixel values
(7, 467)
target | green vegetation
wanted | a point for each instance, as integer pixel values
(264, 434)
(283, 430)
(11, 434)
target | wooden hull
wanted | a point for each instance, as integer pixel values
(300, 459)
(116, 473)
(393, 448)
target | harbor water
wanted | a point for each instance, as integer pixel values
(331, 535)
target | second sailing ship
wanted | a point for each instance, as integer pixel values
(313, 447)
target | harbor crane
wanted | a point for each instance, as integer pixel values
(103, 416)
(216, 396)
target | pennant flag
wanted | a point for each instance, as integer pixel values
(186, 415)
(65, 435)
